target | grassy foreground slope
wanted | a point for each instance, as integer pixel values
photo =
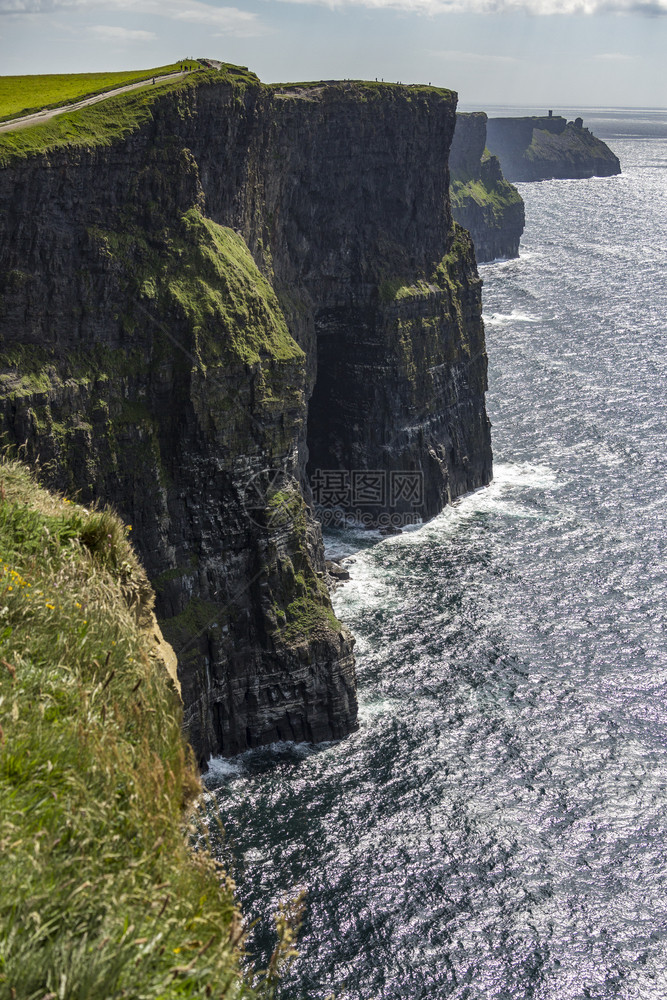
(101, 895)
(21, 95)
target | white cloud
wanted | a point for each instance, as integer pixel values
(117, 34)
(229, 20)
(539, 7)
(31, 6)
(613, 57)
(241, 22)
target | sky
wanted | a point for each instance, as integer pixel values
(542, 53)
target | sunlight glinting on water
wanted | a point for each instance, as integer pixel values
(498, 826)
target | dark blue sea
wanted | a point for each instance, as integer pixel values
(498, 826)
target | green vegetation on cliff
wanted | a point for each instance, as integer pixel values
(445, 278)
(22, 95)
(195, 288)
(540, 148)
(199, 271)
(574, 147)
(110, 120)
(101, 895)
(219, 287)
(206, 273)
(365, 89)
(495, 195)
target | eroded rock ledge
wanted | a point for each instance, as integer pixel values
(256, 285)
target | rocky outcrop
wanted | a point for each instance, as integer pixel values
(258, 285)
(483, 202)
(540, 148)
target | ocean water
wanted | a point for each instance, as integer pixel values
(498, 826)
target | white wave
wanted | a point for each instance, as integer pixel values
(526, 474)
(366, 585)
(508, 263)
(372, 587)
(381, 706)
(496, 260)
(222, 769)
(506, 476)
(507, 319)
(346, 543)
(355, 546)
(282, 747)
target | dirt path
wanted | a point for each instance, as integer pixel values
(39, 117)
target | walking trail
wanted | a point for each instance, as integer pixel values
(39, 117)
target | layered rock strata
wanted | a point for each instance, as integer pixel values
(256, 286)
(483, 202)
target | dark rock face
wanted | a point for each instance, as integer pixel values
(184, 314)
(483, 202)
(401, 364)
(540, 148)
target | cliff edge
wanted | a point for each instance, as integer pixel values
(225, 296)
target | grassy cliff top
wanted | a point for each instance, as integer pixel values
(21, 95)
(114, 118)
(529, 118)
(101, 894)
(111, 119)
(368, 88)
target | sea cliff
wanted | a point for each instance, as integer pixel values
(249, 286)
(539, 148)
(483, 202)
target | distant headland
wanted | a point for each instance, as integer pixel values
(548, 146)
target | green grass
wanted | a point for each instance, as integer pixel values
(571, 145)
(228, 302)
(370, 88)
(110, 120)
(101, 894)
(446, 276)
(397, 289)
(308, 618)
(98, 125)
(29, 368)
(302, 606)
(497, 196)
(21, 95)
(205, 273)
